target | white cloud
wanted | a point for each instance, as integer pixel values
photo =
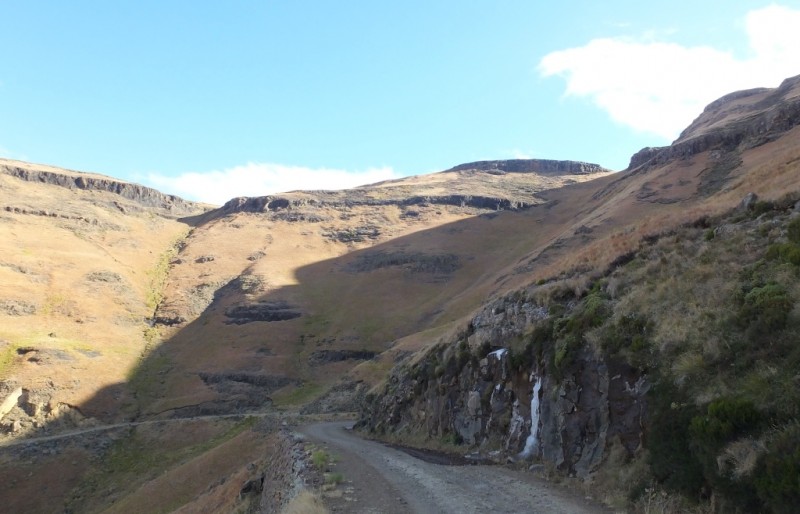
(660, 87)
(516, 153)
(259, 179)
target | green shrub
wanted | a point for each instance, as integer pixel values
(671, 460)
(320, 459)
(709, 235)
(765, 309)
(333, 478)
(521, 359)
(793, 231)
(627, 333)
(762, 207)
(777, 478)
(726, 420)
(785, 252)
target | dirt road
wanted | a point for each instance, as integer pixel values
(380, 479)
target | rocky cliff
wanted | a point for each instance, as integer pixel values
(141, 195)
(484, 186)
(738, 121)
(543, 166)
(498, 390)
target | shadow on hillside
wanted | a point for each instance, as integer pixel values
(297, 340)
(348, 309)
(293, 342)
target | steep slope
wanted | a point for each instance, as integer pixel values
(276, 297)
(651, 356)
(78, 280)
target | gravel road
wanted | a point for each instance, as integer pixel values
(380, 479)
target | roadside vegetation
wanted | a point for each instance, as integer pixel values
(709, 313)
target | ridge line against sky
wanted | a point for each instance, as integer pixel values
(255, 98)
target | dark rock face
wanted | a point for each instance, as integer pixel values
(487, 402)
(321, 357)
(142, 195)
(267, 383)
(263, 311)
(276, 204)
(543, 166)
(413, 262)
(757, 123)
(354, 235)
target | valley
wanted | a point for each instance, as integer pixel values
(551, 314)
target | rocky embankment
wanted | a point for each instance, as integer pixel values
(740, 120)
(511, 403)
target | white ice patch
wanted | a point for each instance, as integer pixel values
(533, 439)
(499, 353)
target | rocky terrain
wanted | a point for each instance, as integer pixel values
(531, 311)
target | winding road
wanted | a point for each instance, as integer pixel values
(381, 479)
(104, 428)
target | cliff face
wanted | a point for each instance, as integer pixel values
(735, 122)
(141, 195)
(544, 166)
(484, 185)
(513, 404)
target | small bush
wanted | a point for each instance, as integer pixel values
(766, 309)
(777, 479)
(762, 207)
(725, 420)
(334, 478)
(320, 459)
(793, 231)
(785, 252)
(672, 462)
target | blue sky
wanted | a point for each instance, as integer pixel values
(212, 100)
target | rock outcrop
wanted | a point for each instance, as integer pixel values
(277, 203)
(144, 196)
(466, 393)
(542, 166)
(497, 196)
(740, 120)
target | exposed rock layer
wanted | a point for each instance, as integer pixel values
(486, 402)
(142, 195)
(740, 120)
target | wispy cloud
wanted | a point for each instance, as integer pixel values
(5, 153)
(659, 87)
(259, 179)
(516, 153)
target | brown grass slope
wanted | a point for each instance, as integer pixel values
(78, 278)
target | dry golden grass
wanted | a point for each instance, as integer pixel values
(87, 281)
(306, 502)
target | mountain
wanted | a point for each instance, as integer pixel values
(519, 309)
